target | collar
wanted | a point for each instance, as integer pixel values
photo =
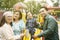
(46, 16)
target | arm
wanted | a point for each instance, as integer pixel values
(50, 28)
(19, 36)
(23, 26)
(37, 25)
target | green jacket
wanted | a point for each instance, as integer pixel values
(50, 29)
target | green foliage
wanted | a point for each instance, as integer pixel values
(33, 7)
(8, 3)
(56, 4)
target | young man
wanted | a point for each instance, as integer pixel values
(50, 27)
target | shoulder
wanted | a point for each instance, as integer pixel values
(21, 21)
(1, 30)
(51, 18)
(5, 26)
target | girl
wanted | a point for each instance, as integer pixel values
(18, 25)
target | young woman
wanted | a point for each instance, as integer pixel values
(6, 32)
(18, 25)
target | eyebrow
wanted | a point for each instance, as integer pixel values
(9, 16)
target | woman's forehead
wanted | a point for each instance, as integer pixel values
(8, 13)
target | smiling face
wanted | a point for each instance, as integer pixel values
(8, 19)
(43, 12)
(29, 15)
(8, 16)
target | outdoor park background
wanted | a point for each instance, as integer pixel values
(32, 6)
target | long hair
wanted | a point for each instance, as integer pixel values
(2, 21)
(20, 15)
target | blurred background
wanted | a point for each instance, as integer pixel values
(33, 6)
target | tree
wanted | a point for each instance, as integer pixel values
(8, 3)
(33, 7)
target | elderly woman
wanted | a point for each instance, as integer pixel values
(6, 32)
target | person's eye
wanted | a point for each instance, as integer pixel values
(17, 14)
(42, 11)
(9, 16)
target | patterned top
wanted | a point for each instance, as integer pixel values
(6, 32)
(18, 27)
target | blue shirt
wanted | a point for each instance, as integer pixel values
(17, 27)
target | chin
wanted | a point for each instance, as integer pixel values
(10, 21)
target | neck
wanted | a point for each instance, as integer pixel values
(31, 18)
(8, 23)
(16, 20)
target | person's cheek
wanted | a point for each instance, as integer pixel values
(18, 16)
(6, 18)
(10, 19)
(15, 16)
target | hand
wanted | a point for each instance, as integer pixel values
(21, 36)
(34, 36)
